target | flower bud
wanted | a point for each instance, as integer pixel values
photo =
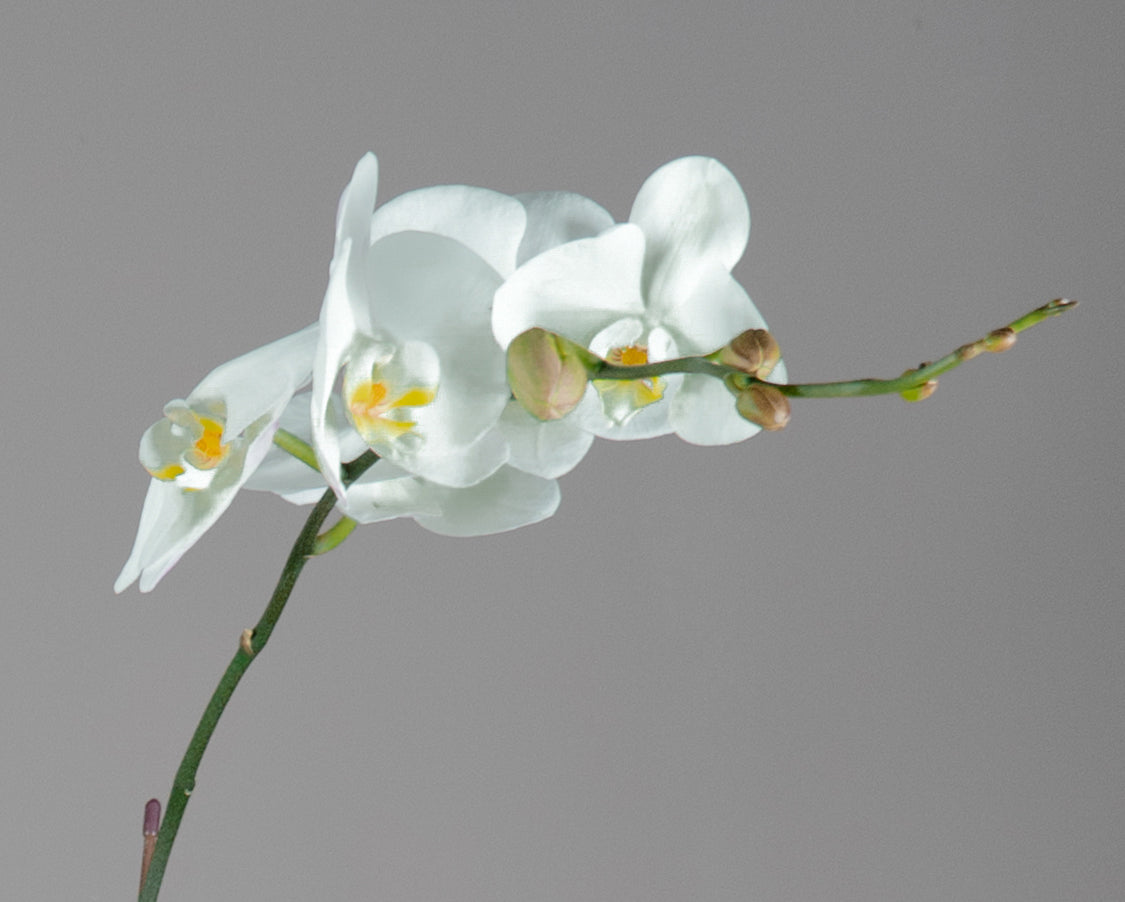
(999, 340)
(764, 405)
(755, 351)
(548, 373)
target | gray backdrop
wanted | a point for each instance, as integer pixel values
(875, 657)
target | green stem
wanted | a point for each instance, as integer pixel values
(298, 447)
(253, 641)
(852, 389)
(334, 535)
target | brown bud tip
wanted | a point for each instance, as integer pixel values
(755, 351)
(152, 817)
(919, 392)
(999, 340)
(763, 405)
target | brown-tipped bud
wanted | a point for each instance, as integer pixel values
(999, 340)
(548, 373)
(755, 351)
(919, 392)
(764, 405)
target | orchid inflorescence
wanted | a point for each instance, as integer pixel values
(478, 343)
(470, 347)
(425, 294)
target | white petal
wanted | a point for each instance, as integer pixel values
(442, 459)
(261, 382)
(158, 517)
(548, 449)
(172, 521)
(575, 289)
(385, 492)
(556, 217)
(703, 412)
(353, 214)
(489, 223)
(715, 311)
(780, 374)
(456, 418)
(284, 475)
(692, 211)
(337, 333)
(433, 289)
(508, 500)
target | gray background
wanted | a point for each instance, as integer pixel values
(875, 657)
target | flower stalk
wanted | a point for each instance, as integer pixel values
(997, 340)
(253, 641)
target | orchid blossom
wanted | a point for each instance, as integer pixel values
(406, 316)
(655, 288)
(206, 448)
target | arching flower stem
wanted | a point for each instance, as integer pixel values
(306, 546)
(997, 340)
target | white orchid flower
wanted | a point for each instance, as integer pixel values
(550, 448)
(507, 499)
(652, 289)
(207, 446)
(407, 317)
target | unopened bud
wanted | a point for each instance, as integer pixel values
(919, 392)
(755, 351)
(548, 373)
(999, 340)
(764, 405)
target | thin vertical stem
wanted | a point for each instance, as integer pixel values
(252, 642)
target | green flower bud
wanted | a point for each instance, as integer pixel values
(755, 351)
(548, 373)
(764, 405)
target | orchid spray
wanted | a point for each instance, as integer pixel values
(470, 348)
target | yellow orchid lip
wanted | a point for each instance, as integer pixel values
(188, 444)
(208, 451)
(622, 398)
(375, 408)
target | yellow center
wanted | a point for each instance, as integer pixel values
(208, 451)
(373, 406)
(189, 442)
(630, 355)
(622, 398)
